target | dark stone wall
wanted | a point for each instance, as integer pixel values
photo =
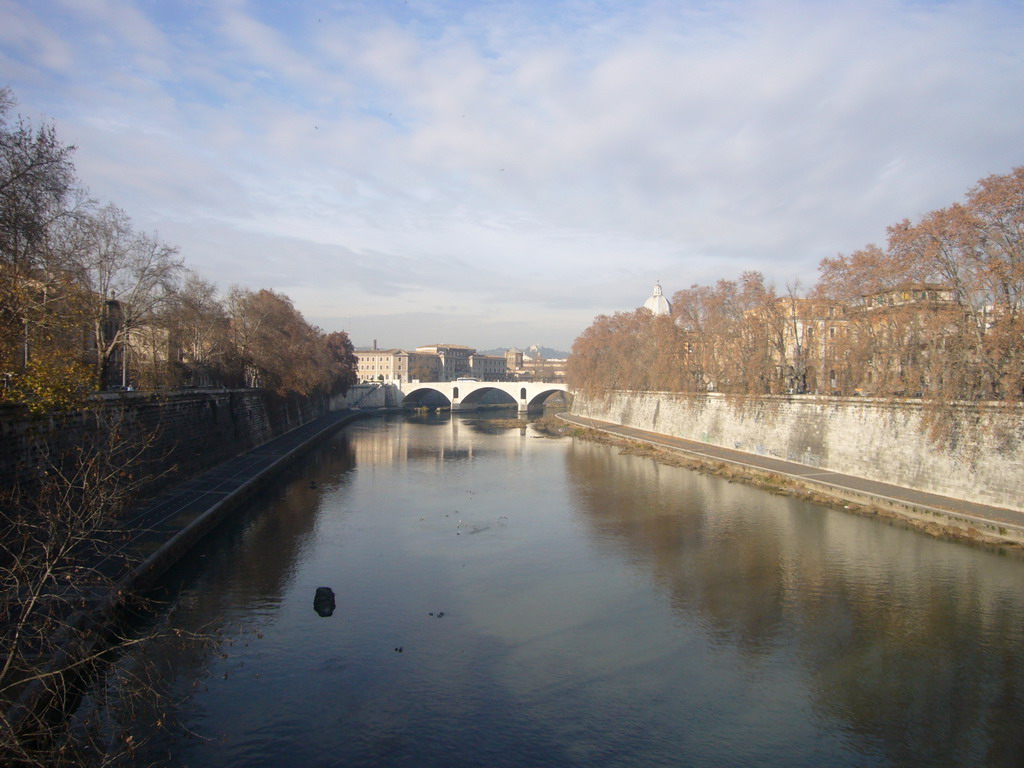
(186, 432)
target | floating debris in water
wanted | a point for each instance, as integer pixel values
(323, 601)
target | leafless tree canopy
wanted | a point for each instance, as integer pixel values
(936, 313)
(61, 554)
(87, 302)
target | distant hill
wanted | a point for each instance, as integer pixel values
(546, 352)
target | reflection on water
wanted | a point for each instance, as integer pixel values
(911, 644)
(500, 598)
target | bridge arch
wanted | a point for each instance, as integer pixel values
(483, 393)
(538, 399)
(467, 394)
(425, 395)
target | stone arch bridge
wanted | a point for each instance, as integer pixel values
(466, 395)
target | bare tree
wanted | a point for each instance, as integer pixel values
(198, 326)
(131, 278)
(341, 361)
(997, 205)
(39, 348)
(61, 555)
(276, 347)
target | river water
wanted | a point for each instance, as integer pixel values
(506, 599)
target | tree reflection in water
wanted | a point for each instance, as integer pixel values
(912, 642)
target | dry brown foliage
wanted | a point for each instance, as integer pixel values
(937, 314)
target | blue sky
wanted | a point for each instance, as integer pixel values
(498, 173)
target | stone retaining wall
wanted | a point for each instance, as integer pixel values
(980, 456)
(368, 396)
(192, 430)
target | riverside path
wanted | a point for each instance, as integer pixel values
(166, 527)
(990, 523)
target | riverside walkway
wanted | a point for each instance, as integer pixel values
(160, 532)
(170, 523)
(991, 523)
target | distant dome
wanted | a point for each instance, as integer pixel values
(658, 304)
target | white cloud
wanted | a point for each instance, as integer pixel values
(25, 35)
(540, 161)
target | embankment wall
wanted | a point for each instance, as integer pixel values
(189, 431)
(972, 451)
(369, 396)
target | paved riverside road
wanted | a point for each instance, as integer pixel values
(166, 526)
(866, 491)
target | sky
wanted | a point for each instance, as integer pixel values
(499, 173)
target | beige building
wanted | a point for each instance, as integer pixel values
(454, 359)
(435, 362)
(816, 337)
(533, 366)
(488, 367)
(809, 336)
(380, 365)
(514, 360)
(396, 365)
